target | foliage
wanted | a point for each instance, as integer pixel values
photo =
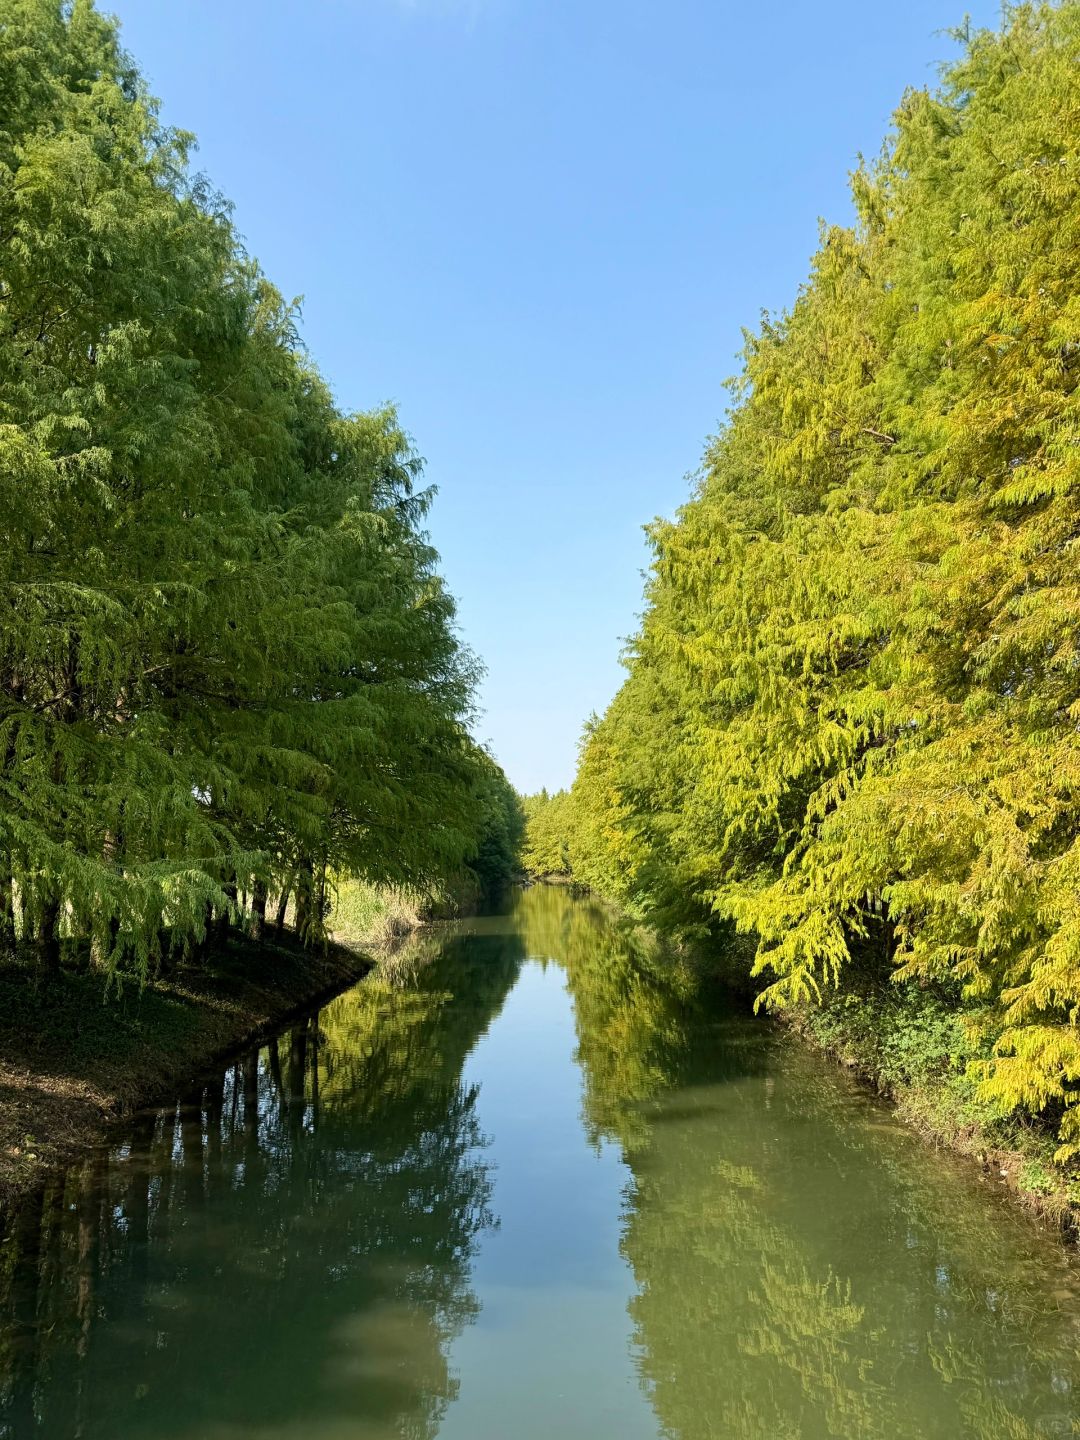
(850, 718)
(228, 662)
(494, 859)
(544, 846)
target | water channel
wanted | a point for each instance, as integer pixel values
(539, 1185)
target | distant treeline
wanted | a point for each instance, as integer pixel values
(851, 725)
(228, 662)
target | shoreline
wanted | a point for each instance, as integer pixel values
(100, 1059)
(1023, 1170)
(930, 1107)
(928, 1114)
(74, 1063)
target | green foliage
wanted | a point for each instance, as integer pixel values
(902, 1035)
(545, 840)
(1036, 1179)
(227, 659)
(494, 859)
(851, 710)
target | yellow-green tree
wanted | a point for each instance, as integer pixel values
(850, 722)
(544, 849)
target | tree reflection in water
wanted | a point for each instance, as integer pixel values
(804, 1267)
(287, 1251)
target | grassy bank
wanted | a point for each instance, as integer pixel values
(72, 1060)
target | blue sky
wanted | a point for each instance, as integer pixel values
(538, 226)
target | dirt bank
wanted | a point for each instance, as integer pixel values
(72, 1060)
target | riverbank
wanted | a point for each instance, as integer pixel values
(914, 1047)
(917, 1052)
(72, 1061)
(917, 1049)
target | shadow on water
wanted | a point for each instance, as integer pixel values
(293, 1249)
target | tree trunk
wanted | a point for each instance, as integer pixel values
(191, 1148)
(304, 899)
(90, 1207)
(316, 1035)
(166, 954)
(48, 937)
(225, 914)
(215, 1111)
(274, 1056)
(24, 1334)
(7, 906)
(322, 908)
(250, 1065)
(258, 910)
(114, 932)
(282, 909)
(137, 1199)
(297, 1082)
(103, 952)
(199, 949)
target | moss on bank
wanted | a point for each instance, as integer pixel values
(72, 1060)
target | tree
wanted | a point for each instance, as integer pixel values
(850, 719)
(227, 660)
(545, 846)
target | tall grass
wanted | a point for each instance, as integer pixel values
(372, 916)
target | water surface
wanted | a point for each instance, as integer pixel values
(541, 1186)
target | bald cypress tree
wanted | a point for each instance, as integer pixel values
(226, 656)
(851, 714)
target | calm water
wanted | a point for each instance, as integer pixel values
(536, 1188)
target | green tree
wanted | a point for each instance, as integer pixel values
(547, 827)
(227, 660)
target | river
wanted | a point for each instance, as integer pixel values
(538, 1185)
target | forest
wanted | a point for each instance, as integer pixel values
(847, 738)
(230, 675)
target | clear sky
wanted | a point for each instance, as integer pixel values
(538, 226)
